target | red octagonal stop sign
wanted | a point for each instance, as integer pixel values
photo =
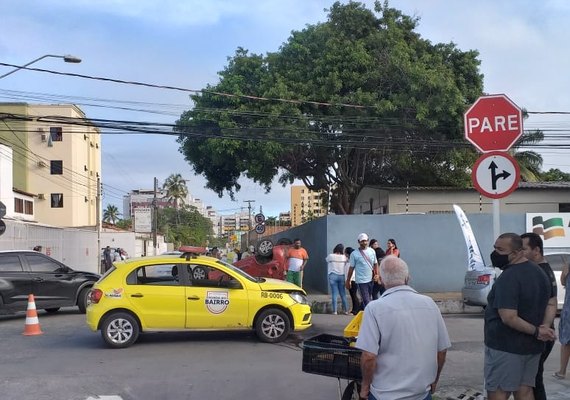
(493, 123)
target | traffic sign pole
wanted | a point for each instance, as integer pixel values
(493, 124)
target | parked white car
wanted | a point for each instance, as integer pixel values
(478, 284)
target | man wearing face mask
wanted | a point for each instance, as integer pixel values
(514, 318)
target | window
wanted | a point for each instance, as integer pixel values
(57, 200)
(56, 167)
(40, 263)
(564, 207)
(10, 263)
(156, 275)
(28, 207)
(19, 205)
(56, 133)
(205, 276)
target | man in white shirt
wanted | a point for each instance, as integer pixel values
(403, 340)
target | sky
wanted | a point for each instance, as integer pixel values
(523, 45)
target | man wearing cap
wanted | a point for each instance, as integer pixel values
(364, 265)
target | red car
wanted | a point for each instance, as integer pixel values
(269, 262)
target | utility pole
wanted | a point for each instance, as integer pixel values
(249, 217)
(98, 223)
(154, 217)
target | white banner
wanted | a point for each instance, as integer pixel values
(554, 228)
(143, 220)
(474, 258)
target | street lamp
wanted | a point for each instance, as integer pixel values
(67, 58)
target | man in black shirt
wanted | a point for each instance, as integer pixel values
(533, 249)
(514, 318)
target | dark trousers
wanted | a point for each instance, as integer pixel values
(365, 290)
(354, 298)
(377, 290)
(539, 392)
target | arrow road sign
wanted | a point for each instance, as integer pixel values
(495, 175)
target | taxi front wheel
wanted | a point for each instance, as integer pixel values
(119, 330)
(272, 326)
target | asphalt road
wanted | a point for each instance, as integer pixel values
(69, 362)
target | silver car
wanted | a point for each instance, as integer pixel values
(478, 283)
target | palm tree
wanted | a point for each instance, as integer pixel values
(176, 189)
(530, 162)
(111, 214)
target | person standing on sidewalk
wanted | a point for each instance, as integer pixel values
(365, 267)
(514, 318)
(533, 249)
(297, 258)
(403, 339)
(377, 287)
(353, 290)
(336, 262)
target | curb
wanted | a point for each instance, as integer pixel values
(449, 304)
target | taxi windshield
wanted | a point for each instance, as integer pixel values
(238, 271)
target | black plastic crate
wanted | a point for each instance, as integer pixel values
(331, 355)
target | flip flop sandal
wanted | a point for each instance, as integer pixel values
(558, 376)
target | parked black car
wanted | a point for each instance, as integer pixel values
(53, 284)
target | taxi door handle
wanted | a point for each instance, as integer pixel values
(137, 295)
(193, 298)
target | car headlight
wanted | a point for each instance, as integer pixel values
(299, 297)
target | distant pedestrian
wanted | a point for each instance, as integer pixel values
(353, 289)
(117, 255)
(336, 262)
(363, 264)
(107, 260)
(564, 325)
(249, 253)
(378, 287)
(392, 248)
(297, 258)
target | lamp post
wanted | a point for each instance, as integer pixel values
(67, 58)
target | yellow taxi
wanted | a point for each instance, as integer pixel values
(192, 292)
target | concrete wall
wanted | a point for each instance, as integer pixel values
(394, 201)
(77, 248)
(431, 244)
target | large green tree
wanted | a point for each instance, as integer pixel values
(356, 100)
(184, 226)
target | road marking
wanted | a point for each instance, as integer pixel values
(112, 397)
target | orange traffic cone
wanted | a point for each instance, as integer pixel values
(32, 322)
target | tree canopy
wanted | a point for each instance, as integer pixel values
(111, 214)
(356, 100)
(184, 226)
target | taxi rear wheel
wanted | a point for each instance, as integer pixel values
(120, 330)
(272, 326)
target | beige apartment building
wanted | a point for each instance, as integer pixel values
(305, 205)
(56, 159)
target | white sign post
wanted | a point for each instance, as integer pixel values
(143, 220)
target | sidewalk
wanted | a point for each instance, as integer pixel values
(448, 302)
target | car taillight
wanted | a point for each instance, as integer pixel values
(95, 295)
(484, 279)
